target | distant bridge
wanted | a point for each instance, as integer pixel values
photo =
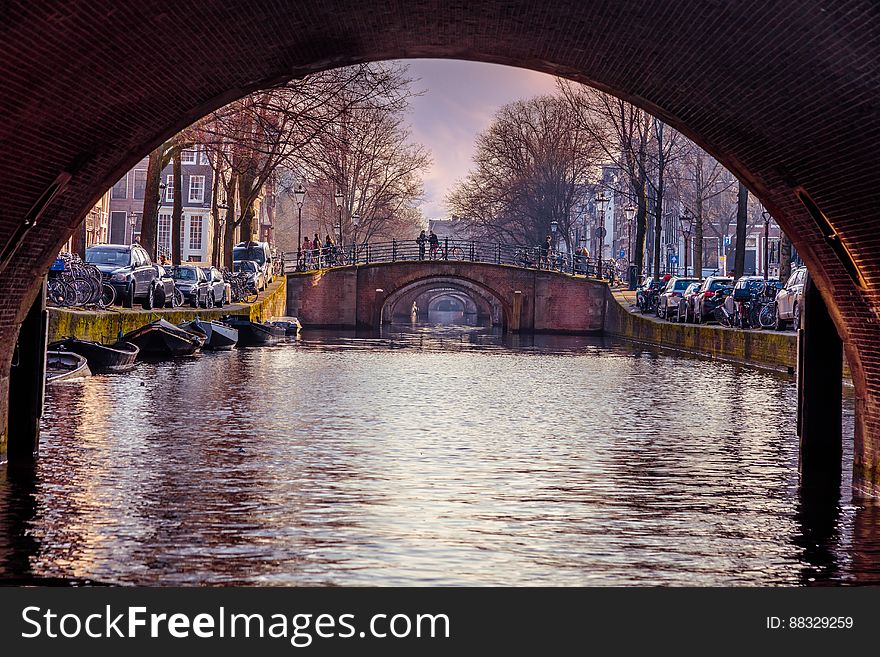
(518, 289)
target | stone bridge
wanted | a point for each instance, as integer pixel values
(514, 298)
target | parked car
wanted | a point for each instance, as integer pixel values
(667, 305)
(685, 312)
(789, 300)
(193, 284)
(707, 300)
(216, 285)
(254, 273)
(164, 288)
(260, 253)
(128, 268)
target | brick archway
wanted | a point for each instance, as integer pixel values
(494, 307)
(782, 94)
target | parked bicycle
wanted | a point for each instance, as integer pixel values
(72, 282)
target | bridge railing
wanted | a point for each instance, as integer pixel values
(450, 250)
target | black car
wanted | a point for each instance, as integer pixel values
(128, 268)
(192, 283)
(165, 288)
(216, 284)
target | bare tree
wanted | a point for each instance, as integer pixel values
(623, 131)
(532, 168)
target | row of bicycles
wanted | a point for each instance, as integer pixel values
(73, 282)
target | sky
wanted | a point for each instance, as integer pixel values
(459, 102)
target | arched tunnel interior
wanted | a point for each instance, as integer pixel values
(444, 300)
(784, 97)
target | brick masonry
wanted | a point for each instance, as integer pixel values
(783, 93)
(347, 297)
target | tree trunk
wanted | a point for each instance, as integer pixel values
(79, 239)
(177, 212)
(229, 232)
(784, 257)
(658, 201)
(215, 218)
(742, 214)
(245, 192)
(698, 239)
(150, 218)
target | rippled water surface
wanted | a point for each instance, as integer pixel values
(432, 456)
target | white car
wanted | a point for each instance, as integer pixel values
(254, 273)
(667, 304)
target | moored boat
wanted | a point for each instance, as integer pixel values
(162, 339)
(218, 336)
(114, 358)
(291, 325)
(253, 334)
(64, 366)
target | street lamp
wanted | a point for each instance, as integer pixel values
(630, 212)
(600, 231)
(339, 198)
(686, 222)
(132, 221)
(299, 196)
(766, 216)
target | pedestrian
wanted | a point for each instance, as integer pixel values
(545, 251)
(328, 251)
(316, 250)
(420, 240)
(434, 243)
(306, 249)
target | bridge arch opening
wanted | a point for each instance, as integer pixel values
(64, 143)
(477, 303)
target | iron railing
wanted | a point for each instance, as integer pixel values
(452, 250)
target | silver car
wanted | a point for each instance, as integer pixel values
(667, 304)
(216, 285)
(789, 300)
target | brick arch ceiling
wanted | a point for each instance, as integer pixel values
(784, 93)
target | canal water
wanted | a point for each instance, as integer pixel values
(429, 455)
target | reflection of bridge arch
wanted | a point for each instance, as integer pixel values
(427, 302)
(489, 306)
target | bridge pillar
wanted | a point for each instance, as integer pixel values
(378, 303)
(27, 382)
(516, 312)
(820, 391)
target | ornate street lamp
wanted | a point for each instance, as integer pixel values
(132, 221)
(686, 222)
(299, 196)
(339, 199)
(766, 216)
(601, 201)
(630, 212)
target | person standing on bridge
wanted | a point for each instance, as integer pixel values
(420, 240)
(435, 244)
(306, 249)
(545, 252)
(328, 251)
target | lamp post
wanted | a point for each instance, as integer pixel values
(132, 221)
(299, 196)
(600, 231)
(339, 198)
(355, 222)
(630, 212)
(686, 222)
(766, 216)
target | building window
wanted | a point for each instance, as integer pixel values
(196, 189)
(120, 189)
(169, 189)
(164, 234)
(188, 156)
(203, 155)
(195, 232)
(139, 184)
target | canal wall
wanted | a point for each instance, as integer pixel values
(770, 349)
(105, 325)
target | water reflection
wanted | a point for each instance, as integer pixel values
(430, 454)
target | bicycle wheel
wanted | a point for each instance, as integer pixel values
(108, 295)
(767, 318)
(250, 295)
(455, 253)
(722, 317)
